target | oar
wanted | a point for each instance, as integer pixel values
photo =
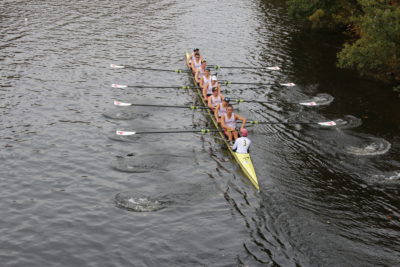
(119, 132)
(281, 84)
(124, 104)
(139, 68)
(144, 86)
(217, 67)
(238, 100)
(323, 123)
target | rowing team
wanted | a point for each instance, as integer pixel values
(218, 103)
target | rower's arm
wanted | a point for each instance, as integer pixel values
(243, 119)
(202, 82)
(196, 76)
(216, 112)
(209, 103)
(223, 122)
(204, 89)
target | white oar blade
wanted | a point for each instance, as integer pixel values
(327, 123)
(118, 132)
(288, 84)
(308, 103)
(121, 104)
(118, 85)
(273, 68)
(116, 66)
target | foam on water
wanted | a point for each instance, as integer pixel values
(372, 147)
(138, 203)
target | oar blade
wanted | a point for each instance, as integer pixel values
(310, 104)
(327, 123)
(121, 104)
(288, 84)
(124, 133)
(116, 66)
(273, 68)
(118, 85)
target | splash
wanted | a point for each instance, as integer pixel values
(138, 202)
(348, 122)
(369, 147)
(318, 100)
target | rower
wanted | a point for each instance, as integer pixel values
(206, 78)
(201, 72)
(215, 99)
(220, 109)
(207, 87)
(228, 123)
(192, 57)
(196, 63)
(242, 144)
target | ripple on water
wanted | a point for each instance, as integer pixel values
(139, 164)
(387, 178)
(138, 202)
(366, 145)
(124, 115)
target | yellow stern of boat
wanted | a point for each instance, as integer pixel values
(247, 167)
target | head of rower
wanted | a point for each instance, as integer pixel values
(197, 56)
(214, 80)
(226, 101)
(229, 109)
(207, 72)
(215, 91)
(203, 64)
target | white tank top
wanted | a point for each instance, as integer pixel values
(196, 65)
(221, 110)
(206, 80)
(242, 145)
(230, 122)
(215, 100)
(201, 72)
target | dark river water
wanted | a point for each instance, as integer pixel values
(75, 194)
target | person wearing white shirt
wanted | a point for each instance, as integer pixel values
(242, 144)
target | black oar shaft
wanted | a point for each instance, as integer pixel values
(178, 131)
(160, 87)
(167, 106)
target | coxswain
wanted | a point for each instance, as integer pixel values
(215, 99)
(242, 144)
(220, 109)
(207, 87)
(200, 72)
(228, 123)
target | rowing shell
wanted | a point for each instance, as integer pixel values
(243, 160)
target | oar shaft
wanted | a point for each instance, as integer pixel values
(163, 106)
(141, 68)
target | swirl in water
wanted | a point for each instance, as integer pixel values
(138, 202)
(373, 146)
